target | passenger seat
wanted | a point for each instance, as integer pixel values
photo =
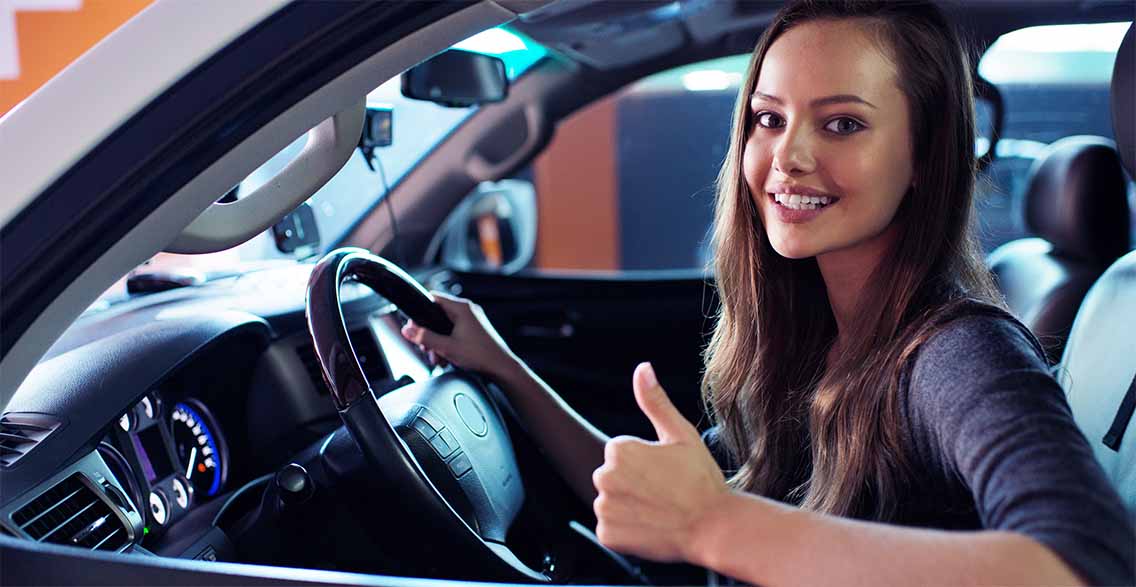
(1076, 204)
(1098, 369)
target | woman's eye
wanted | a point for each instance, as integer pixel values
(843, 126)
(770, 120)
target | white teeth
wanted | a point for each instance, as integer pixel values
(799, 202)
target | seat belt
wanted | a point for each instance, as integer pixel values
(1123, 417)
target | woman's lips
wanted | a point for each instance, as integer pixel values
(801, 215)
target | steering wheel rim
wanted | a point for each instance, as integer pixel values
(345, 377)
(481, 524)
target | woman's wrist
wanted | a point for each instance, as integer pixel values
(708, 536)
(748, 536)
(509, 370)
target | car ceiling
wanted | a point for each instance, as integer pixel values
(613, 35)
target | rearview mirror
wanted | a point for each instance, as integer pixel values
(457, 79)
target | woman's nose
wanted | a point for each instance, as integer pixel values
(792, 155)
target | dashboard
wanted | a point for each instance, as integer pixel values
(150, 420)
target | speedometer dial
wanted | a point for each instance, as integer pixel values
(200, 448)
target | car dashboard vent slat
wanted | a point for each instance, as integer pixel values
(366, 352)
(20, 432)
(308, 358)
(72, 513)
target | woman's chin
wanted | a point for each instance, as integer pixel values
(793, 249)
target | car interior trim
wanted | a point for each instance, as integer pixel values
(225, 225)
(94, 381)
(136, 227)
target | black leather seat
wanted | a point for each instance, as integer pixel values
(1099, 364)
(1076, 203)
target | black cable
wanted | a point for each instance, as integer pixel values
(398, 260)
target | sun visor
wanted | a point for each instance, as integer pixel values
(225, 225)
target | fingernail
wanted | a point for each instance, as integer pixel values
(649, 375)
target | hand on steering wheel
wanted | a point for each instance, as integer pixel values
(441, 445)
(473, 345)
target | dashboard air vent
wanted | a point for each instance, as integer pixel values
(73, 514)
(366, 350)
(20, 432)
(308, 358)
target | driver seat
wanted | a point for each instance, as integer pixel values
(1098, 368)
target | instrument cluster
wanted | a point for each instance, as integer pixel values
(173, 455)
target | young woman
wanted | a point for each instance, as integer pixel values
(881, 419)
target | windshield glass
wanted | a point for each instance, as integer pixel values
(418, 127)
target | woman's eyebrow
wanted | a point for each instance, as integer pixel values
(825, 101)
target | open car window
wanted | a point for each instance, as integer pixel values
(418, 127)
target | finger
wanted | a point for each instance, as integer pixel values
(451, 305)
(615, 536)
(609, 509)
(603, 480)
(669, 423)
(409, 331)
(425, 337)
(446, 297)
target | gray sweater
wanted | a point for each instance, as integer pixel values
(994, 446)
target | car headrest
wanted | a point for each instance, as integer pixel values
(1123, 108)
(1077, 199)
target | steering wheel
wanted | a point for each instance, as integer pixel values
(442, 442)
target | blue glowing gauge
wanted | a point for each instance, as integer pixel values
(200, 448)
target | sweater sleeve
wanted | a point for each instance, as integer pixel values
(984, 408)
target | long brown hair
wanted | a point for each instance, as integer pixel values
(829, 436)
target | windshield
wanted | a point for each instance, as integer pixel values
(418, 127)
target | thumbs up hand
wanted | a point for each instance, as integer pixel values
(655, 497)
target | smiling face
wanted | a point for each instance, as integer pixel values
(829, 153)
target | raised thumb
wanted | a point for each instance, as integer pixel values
(669, 423)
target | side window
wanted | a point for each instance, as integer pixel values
(628, 183)
(1054, 82)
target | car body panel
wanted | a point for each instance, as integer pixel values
(115, 79)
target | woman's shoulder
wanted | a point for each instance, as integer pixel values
(975, 356)
(972, 340)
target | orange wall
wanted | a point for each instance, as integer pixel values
(50, 39)
(578, 209)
